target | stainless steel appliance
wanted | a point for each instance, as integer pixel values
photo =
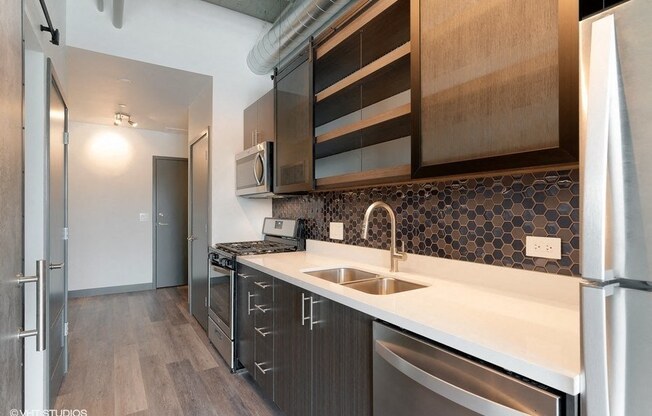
(616, 57)
(253, 175)
(280, 236)
(414, 377)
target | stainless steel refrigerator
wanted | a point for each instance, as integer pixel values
(616, 72)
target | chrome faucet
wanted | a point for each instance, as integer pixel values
(394, 254)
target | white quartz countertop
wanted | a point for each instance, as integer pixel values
(525, 322)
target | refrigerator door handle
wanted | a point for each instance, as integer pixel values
(595, 353)
(602, 96)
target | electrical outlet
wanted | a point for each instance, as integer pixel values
(545, 247)
(336, 230)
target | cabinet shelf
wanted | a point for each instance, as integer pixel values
(387, 126)
(368, 177)
(352, 28)
(360, 75)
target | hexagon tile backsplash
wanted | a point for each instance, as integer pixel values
(480, 220)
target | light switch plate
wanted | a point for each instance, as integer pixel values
(544, 247)
(336, 230)
(144, 217)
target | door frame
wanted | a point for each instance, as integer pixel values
(204, 134)
(155, 212)
(52, 80)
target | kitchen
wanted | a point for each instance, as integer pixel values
(494, 164)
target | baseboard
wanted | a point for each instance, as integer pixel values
(112, 290)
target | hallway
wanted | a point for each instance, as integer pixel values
(142, 353)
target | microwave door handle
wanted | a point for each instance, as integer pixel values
(261, 179)
(443, 388)
(602, 82)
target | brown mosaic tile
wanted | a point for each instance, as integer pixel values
(480, 220)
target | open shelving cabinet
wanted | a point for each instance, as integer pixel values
(362, 97)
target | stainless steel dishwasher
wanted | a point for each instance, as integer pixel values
(414, 377)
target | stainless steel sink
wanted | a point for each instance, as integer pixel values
(383, 286)
(342, 275)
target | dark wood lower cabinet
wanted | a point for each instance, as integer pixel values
(341, 360)
(292, 350)
(255, 317)
(315, 358)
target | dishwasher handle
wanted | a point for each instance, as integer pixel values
(447, 390)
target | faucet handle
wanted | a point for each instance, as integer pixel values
(402, 254)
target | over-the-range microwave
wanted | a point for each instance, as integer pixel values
(253, 171)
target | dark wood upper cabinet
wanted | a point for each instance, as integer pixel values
(495, 85)
(362, 101)
(293, 150)
(259, 121)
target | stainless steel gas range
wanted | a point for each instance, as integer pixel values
(280, 236)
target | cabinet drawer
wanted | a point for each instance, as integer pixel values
(264, 288)
(264, 364)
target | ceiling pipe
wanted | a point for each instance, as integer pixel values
(294, 26)
(118, 13)
(100, 5)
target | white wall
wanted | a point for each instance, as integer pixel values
(110, 180)
(195, 36)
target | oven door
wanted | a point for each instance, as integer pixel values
(253, 171)
(221, 297)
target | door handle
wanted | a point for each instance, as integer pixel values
(56, 266)
(41, 312)
(162, 223)
(192, 238)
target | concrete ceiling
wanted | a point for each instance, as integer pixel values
(267, 10)
(156, 97)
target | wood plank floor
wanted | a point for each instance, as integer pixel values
(142, 353)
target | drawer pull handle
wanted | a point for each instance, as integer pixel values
(260, 368)
(262, 285)
(262, 308)
(244, 276)
(261, 332)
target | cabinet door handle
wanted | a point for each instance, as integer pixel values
(262, 308)
(304, 298)
(260, 368)
(261, 332)
(244, 276)
(312, 312)
(262, 285)
(249, 309)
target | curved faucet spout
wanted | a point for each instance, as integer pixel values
(395, 255)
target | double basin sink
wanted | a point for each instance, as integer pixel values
(365, 281)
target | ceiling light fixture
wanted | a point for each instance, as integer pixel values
(120, 117)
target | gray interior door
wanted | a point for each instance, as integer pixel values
(198, 230)
(56, 206)
(171, 221)
(11, 206)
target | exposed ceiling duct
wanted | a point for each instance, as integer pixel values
(118, 13)
(294, 26)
